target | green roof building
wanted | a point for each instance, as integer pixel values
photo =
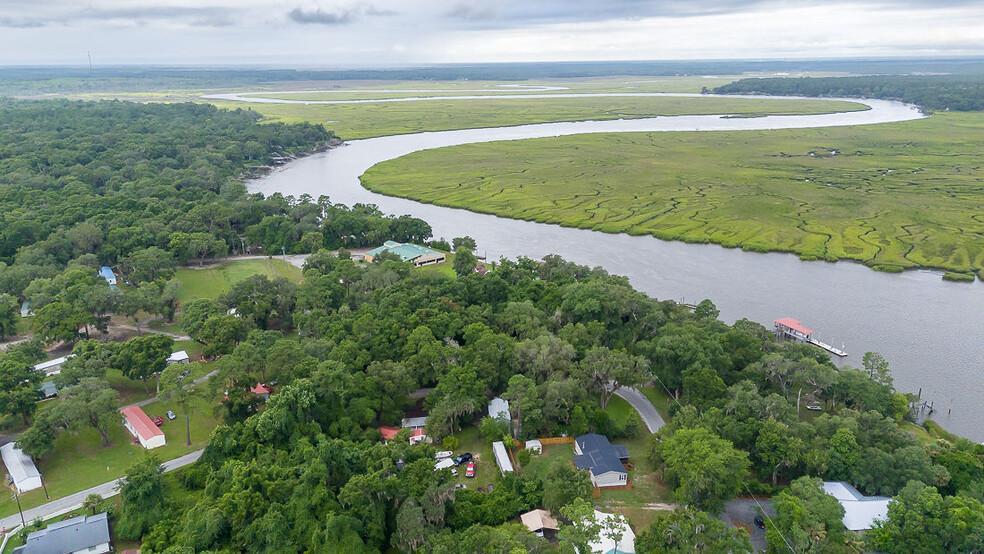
(417, 255)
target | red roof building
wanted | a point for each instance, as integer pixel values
(388, 432)
(260, 388)
(788, 323)
(142, 428)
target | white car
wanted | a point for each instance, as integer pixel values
(443, 454)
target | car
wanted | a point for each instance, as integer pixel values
(158, 421)
(466, 457)
(171, 416)
(814, 407)
(759, 522)
(470, 469)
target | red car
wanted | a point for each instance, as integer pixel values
(158, 421)
(470, 469)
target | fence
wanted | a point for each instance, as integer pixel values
(557, 440)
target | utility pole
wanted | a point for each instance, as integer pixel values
(17, 499)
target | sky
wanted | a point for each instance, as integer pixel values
(352, 33)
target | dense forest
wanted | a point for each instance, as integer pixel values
(930, 92)
(346, 348)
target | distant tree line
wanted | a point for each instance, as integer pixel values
(931, 92)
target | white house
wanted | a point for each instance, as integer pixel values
(52, 367)
(502, 457)
(414, 422)
(606, 543)
(142, 428)
(603, 460)
(21, 468)
(179, 357)
(499, 409)
(860, 512)
(83, 533)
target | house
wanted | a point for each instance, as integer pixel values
(52, 367)
(388, 433)
(48, 389)
(499, 409)
(418, 436)
(142, 428)
(540, 523)
(606, 543)
(179, 357)
(21, 468)
(502, 458)
(860, 512)
(418, 255)
(106, 273)
(603, 460)
(534, 446)
(84, 533)
(26, 310)
(261, 390)
(414, 422)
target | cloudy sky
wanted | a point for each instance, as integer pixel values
(344, 33)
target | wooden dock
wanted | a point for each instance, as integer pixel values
(791, 328)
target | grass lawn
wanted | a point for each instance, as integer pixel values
(660, 399)
(893, 196)
(486, 470)
(79, 461)
(212, 282)
(444, 268)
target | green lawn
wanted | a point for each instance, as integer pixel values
(661, 400)
(486, 471)
(212, 282)
(893, 196)
(79, 461)
(444, 268)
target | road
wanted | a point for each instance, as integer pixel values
(74, 501)
(646, 410)
(745, 510)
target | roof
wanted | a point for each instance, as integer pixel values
(49, 388)
(178, 356)
(860, 512)
(413, 422)
(260, 388)
(538, 519)
(106, 273)
(502, 457)
(388, 432)
(45, 366)
(598, 455)
(20, 466)
(794, 325)
(499, 408)
(418, 433)
(140, 422)
(406, 252)
(605, 545)
(533, 442)
(71, 535)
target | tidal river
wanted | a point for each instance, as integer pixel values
(928, 329)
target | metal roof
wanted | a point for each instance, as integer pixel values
(860, 512)
(72, 535)
(598, 455)
(794, 325)
(499, 408)
(178, 357)
(537, 520)
(141, 422)
(20, 466)
(502, 457)
(406, 252)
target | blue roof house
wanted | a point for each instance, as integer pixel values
(602, 459)
(106, 273)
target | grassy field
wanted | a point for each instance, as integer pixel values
(211, 282)
(79, 461)
(892, 196)
(355, 121)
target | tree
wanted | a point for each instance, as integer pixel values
(706, 310)
(521, 394)
(843, 453)
(540, 357)
(463, 243)
(19, 383)
(563, 484)
(92, 503)
(922, 520)
(142, 357)
(777, 447)
(171, 386)
(196, 313)
(38, 439)
(464, 263)
(876, 366)
(149, 264)
(687, 530)
(59, 321)
(8, 315)
(144, 495)
(604, 371)
(583, 528)
(91, 403)
(807, 520)
(221, 333)
(90, 358)
(702, 468)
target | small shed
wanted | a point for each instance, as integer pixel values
(179, 357)
(142, 428)
(502, 457)
(261, 390)
(540, 523)
(499, 409)
(534, 446)
(21, 468)
(48, 389)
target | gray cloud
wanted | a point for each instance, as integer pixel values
(319, 17)
(472, 12)
(20, 23)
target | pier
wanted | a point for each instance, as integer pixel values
(790, 328)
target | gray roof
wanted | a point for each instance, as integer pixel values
(71, 535)
(598, 455)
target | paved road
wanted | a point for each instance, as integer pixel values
(74, 501)
(646, 410)
(745, 510)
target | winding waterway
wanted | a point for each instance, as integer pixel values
(928, 329)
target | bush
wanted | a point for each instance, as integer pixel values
(523, 457)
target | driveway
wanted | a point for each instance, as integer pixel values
(646, 410)
(73, 502)
(745, 510)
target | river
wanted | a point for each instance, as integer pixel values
(928, 329)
